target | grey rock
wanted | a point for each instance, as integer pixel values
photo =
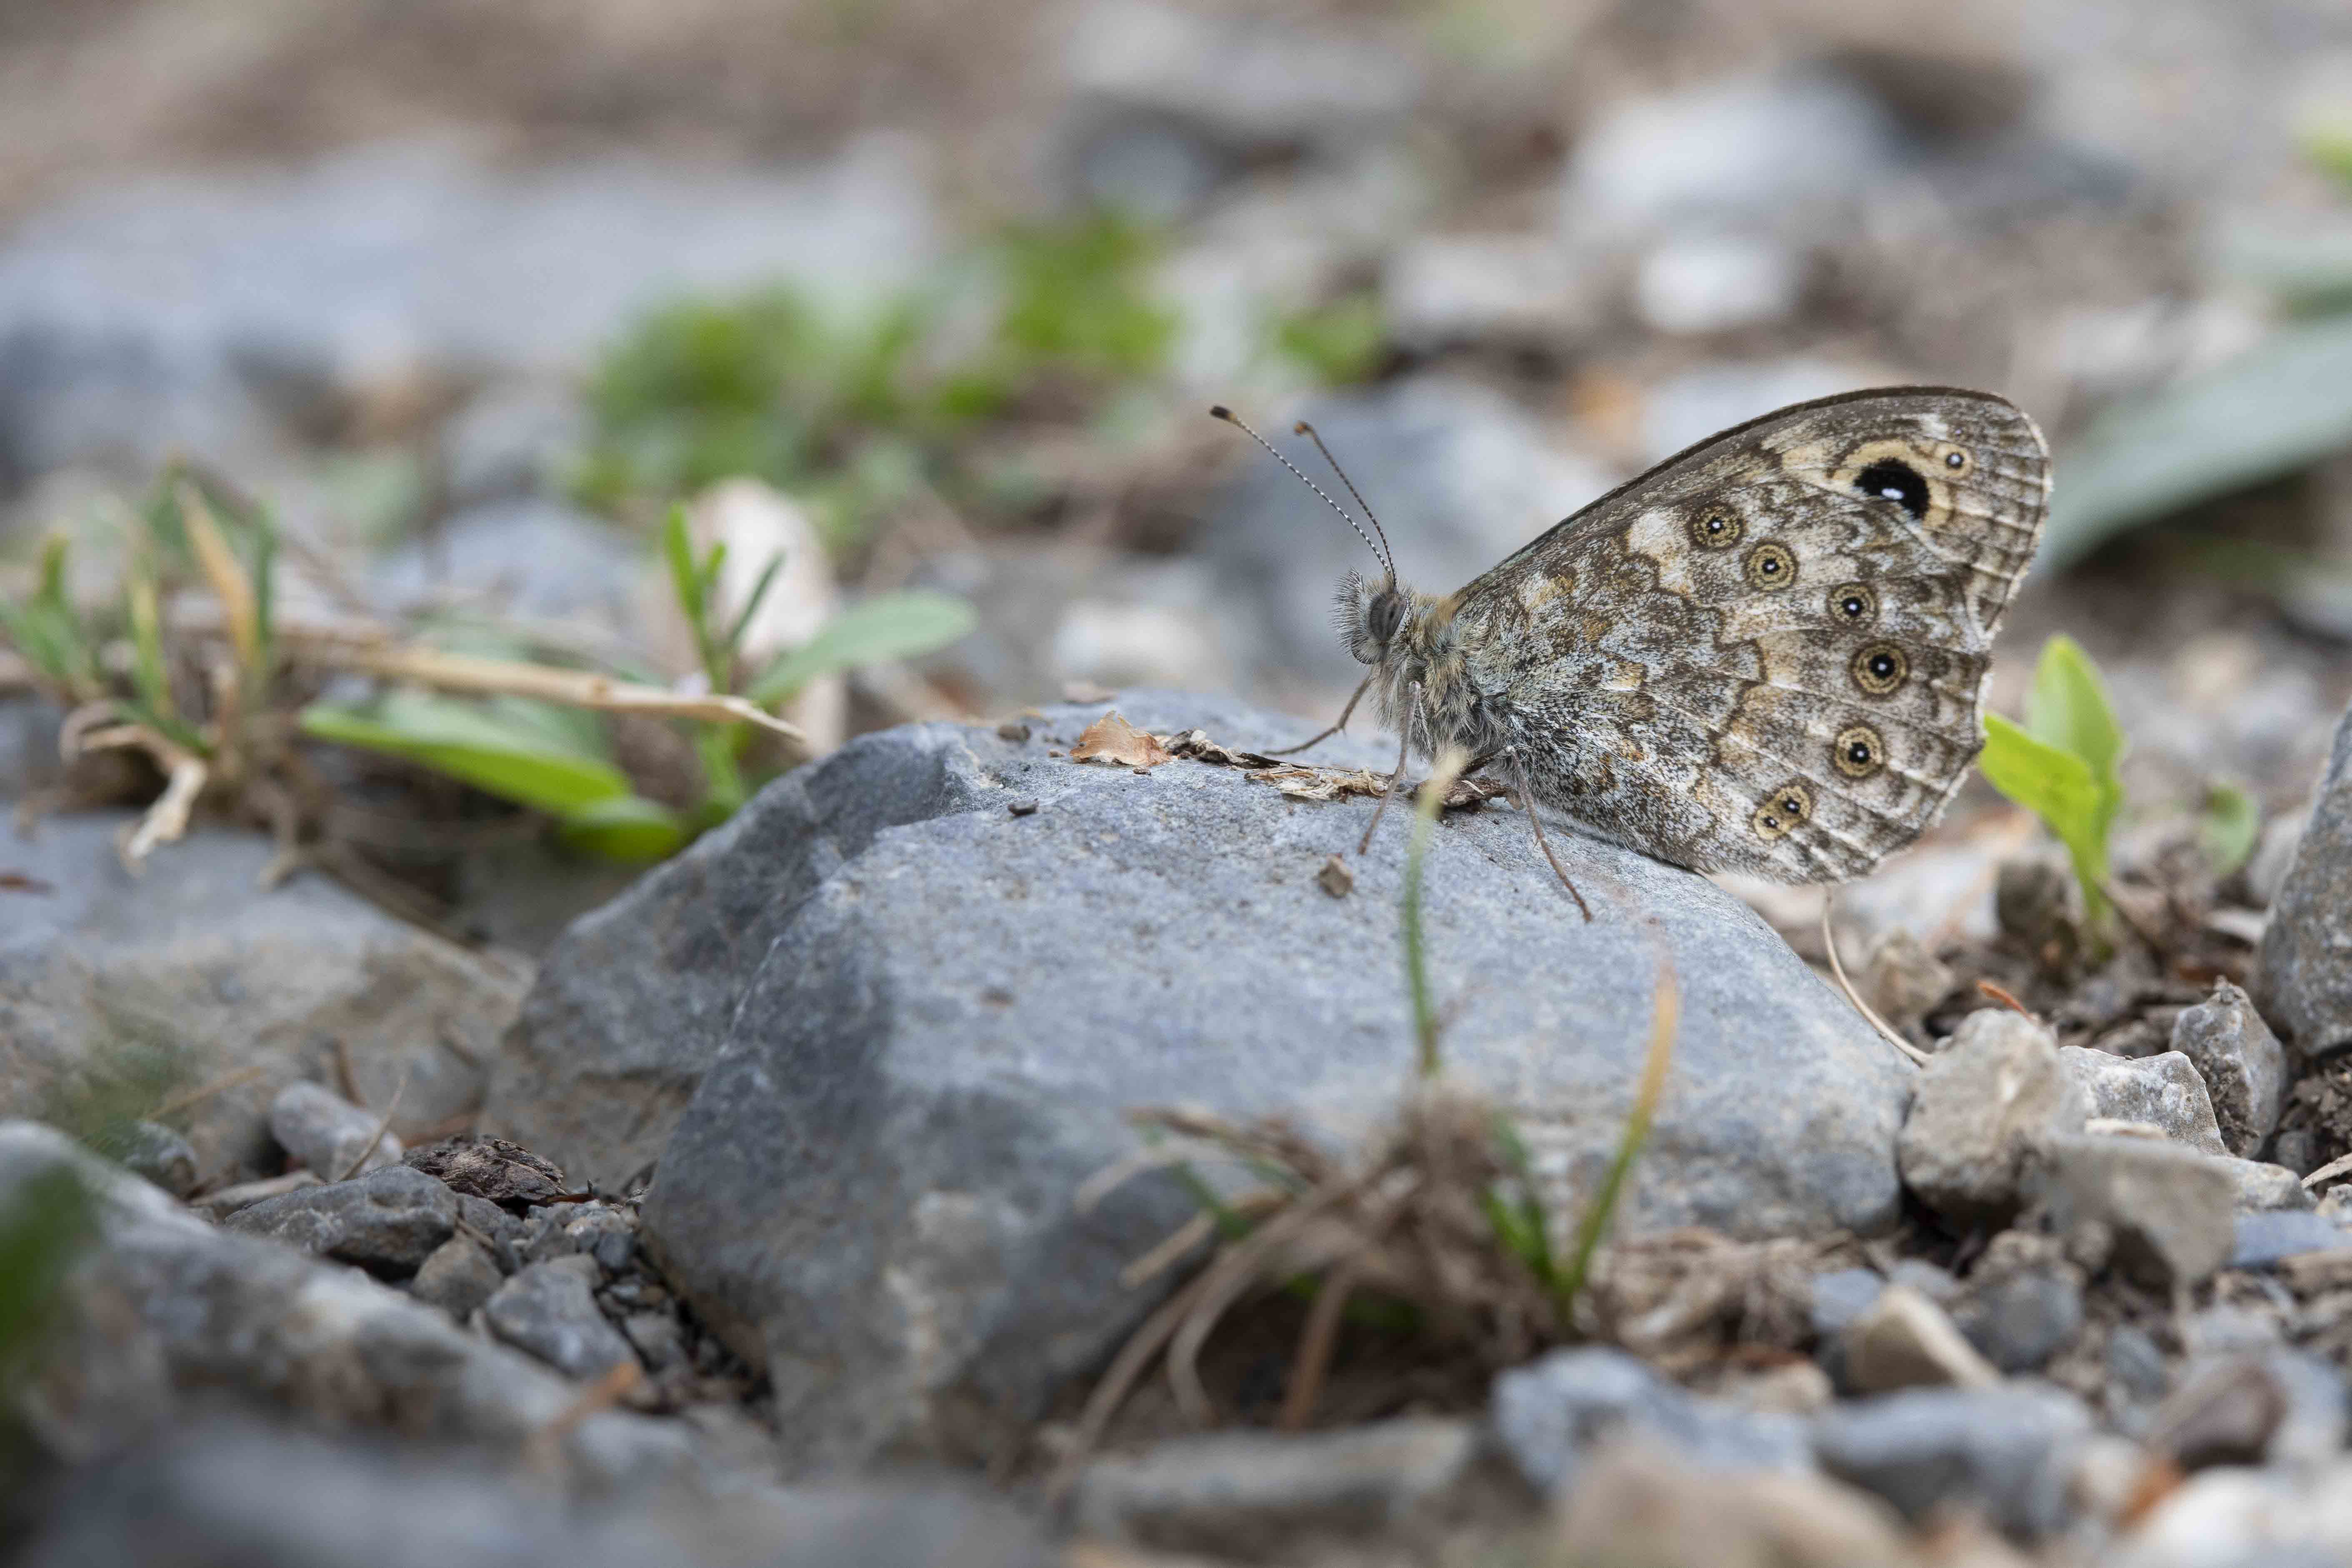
(2265, 1186)
(2162, 1090)
(225, 314)
(1994, 1094)
(1707, 280)
(2264, 1239)
(2162, 1213)
(657, 1339)
(2242, 1063)
(167, 1314)
(530, 557)
(2136, 1364)
(546, 1236)
(886, 1017)
(158, 1153)
(1762, 148)
(2022, 1321)
(192, 973)
(387, 1221)
(1638, 1504)
(1254, 1496)
(2303, 975)
(1841, 1296)
(1246, 83)
(1903, 979)
(511, 440)
(322, 1131)
(1463, 478)
(222, 1202)
(2273, 856)
(1906, 1340)
(29, 737)
(458, 1277)
(2001, 1450)
(236, 1492)
(550, 1309)
(494, 1227)
(1547, 1415)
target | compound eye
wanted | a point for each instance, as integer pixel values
(1386, 614)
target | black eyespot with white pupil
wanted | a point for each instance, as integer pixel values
(1771, 567)
(1717, 529)
(1891, 479)
(1879, 668)
(1782, 811)
(1854, 603)
(1858, 752)
(1956, 461)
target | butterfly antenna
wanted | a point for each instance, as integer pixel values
(1389, 556)
(1220, 411)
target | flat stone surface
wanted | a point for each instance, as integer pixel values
(1997, 1450)
(550, 1309)
(322, 1131)
(194, 974)
(167, 1314)
(458, 1276)
(388, 1221)
(1546, 1415)
(2165, 1212)
(235, 1491)
(2261, 1239)
(2303, 975)
(2241, 1062)
(2162, 1090)
(945, 1011)
(1988, 1100)
(1243, 1494)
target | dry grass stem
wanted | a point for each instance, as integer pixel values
(579, 688)
(227, 577)
(382, 1127)
(1886, 1031)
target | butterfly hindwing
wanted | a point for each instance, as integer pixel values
(1767, 654)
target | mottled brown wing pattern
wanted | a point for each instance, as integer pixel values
(1768, 653)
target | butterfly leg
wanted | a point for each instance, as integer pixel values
(1528, 801)
(1404, 733)
(1366, 685)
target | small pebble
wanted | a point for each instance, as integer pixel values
(1022, 806)
(1335, 879)
(1012, 729)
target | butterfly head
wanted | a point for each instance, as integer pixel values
(1371, 616)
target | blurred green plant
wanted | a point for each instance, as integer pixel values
(852, 409)
(2229, 828)
(216, 700)
(2063, 763)
(559, 760)
(45, 1225)
(2275, 409)
(1340, 342)
(100, 1101)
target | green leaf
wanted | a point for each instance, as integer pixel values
(894, 626)
(48, 1220)
(469, 742)
(2061, 789)
(678, 548)
(2232, 826)
(1340, 342)
(627, 828)
(2280, 407)
(2068, 707)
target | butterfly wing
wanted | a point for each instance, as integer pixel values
(1767, 654)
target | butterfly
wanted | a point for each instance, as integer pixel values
(1766, 655)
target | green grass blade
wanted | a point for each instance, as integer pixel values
(893, 625)
(467, 742)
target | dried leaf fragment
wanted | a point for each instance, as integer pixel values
(1317, 784)
(1112, 740)
(1335, 879)
(1196, 744)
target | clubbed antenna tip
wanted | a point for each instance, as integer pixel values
(1219, 411)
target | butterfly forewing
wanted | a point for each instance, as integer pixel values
(1767, 654)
